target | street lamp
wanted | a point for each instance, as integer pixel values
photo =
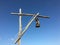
(35, 17)
(37, 22)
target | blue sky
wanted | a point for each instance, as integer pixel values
(47, 34)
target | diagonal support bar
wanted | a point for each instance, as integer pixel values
(26, 28)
